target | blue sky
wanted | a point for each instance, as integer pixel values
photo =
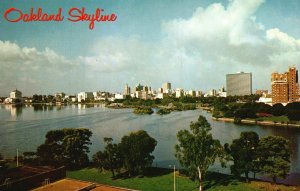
(193, 44)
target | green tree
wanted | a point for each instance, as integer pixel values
(293, 106)
(278, 109)
(274, 156)
(197, 150)
(136, 151)
(50, 154)
(243, 154)
(241, 113)
(65, 146)
(294, 115)
(110, 158)
(29, 157)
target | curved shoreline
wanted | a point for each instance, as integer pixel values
(254, 122)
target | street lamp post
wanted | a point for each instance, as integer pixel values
(174, 176)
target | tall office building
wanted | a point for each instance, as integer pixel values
(239, 84)
(293, 84)
(127, 90)
(280, 88)
(285, 87)
(166, 87)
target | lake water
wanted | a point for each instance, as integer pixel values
(25, 128)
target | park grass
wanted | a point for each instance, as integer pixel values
(162, 179)
(277, 119)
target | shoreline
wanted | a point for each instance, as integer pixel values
(254, 122)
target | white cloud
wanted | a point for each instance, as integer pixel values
(230, 39)
(29, 69)
(114, 54)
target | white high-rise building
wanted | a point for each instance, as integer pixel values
(239, 84)
(179, 92)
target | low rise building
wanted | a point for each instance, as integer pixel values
(161, 95)
(120, 96)
(15, 94)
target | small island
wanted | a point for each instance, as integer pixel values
(163, 111)
(141, 111)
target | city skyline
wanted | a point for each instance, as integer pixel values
(192, 44)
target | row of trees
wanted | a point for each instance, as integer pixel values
(254, 110)
(210, 101)
(197, 150)
(70, 147)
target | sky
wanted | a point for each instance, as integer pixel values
(193, 44)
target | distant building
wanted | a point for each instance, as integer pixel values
(119, 96)
(14, 97)
(179, 92)
(146, 88)
(212, 93)
(265, 98)
(199, 93)
(160, 90)
(145, 95)
(83, 96)
(191, 93)
(239, 84)
(285, 86)
(73, 98)
(222, 92)
(139, 87)
(60, 95)
(142, 95)
(127, 90)
(166, 87)
(161, 96)
(15, 94)
(293, 84)
(261, 92)
(279, 88)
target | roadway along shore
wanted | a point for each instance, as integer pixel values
(256, 122)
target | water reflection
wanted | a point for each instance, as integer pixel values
(292, 137)
(14, 110)
(43, 107)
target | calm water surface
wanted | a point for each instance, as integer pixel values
(25, 128)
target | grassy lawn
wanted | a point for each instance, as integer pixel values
(278, 119)
(162, 179)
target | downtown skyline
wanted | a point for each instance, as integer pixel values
(193, 44)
